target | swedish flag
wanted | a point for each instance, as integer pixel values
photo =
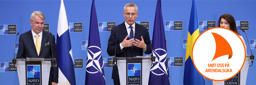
(191, 75)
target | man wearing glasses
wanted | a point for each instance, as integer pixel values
(128, 39)
(37, 43)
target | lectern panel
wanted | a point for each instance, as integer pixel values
(33, 73)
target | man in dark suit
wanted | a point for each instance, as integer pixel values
(36, 43)
(128, 39)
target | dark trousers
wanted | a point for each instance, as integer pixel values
(116, 81)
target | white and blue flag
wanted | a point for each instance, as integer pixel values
(65, 58)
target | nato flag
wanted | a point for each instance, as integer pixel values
(94, 67)
(159, 73)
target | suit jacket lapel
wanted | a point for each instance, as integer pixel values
(137, 36)
(44, 38)
(123, 32)
(31, 41)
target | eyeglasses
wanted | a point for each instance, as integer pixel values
(37, 23)
(128, 14)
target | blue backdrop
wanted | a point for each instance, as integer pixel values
(18, 12)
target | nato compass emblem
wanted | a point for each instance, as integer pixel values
(4, 67)
(84, 44)
(71, 27)
(169, 25)
(103, 26)
(33, 71)
(94, 61)
(238, 25)
(253, 44)
(3, 29)
(159, 67)
(202, 25)
(134, 69)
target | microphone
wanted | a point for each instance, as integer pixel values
(153, 59)
(14, 59)
(252, 55)
(114, 59)
(52, 61)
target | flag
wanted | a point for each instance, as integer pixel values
(191, 75)
(94, 66)
(65, 58)
(159, 73)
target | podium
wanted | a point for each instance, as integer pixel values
(34, 71)
(240, 78)
(134, 70)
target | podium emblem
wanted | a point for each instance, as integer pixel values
(134, 69)
(33, 75)
(33, 71)
(134, 74)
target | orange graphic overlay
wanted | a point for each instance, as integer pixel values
(222, 47)
(215, 53)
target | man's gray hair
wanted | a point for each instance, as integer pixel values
(39, 13)
(131, 5)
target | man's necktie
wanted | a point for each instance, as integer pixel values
(131, 33)
(130, 37)
(38, 45)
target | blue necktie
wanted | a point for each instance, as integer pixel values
(131, 36)
(131, 33)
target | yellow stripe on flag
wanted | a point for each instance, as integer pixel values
(190, 41)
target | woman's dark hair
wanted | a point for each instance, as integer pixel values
(231, 22)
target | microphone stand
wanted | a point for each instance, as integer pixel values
(14, 59)
(252, 55)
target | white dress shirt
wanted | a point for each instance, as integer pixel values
(128, 32)
(34, 36)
